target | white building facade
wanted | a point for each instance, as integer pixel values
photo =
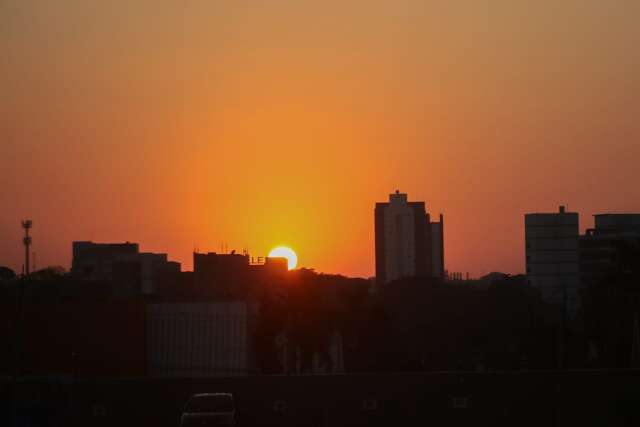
(399, 238)
(408, 244)
(196, 340)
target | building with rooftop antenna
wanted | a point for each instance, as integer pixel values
(408, 244)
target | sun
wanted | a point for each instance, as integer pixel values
(285, 252)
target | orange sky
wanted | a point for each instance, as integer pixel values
(185, 123)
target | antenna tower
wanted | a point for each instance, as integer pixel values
(26, 225)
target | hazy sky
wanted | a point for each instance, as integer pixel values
(182, 123)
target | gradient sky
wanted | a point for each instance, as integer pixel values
(185, 123)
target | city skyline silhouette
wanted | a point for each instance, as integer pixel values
(331, 213)
(205, 123)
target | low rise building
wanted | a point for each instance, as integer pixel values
(129, 271)
(234, 276)
(602, 246)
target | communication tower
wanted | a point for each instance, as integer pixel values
(26, 224)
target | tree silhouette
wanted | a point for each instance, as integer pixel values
(6, 274)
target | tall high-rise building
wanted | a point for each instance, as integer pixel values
(552, 256)
(407, 243)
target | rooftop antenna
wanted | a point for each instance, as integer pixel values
(26, 225)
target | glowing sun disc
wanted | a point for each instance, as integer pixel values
(284, 252)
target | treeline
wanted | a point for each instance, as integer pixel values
(411, 325)
(421, 324)
(416, 324)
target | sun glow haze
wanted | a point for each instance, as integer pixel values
(284, 252)
(180, 124)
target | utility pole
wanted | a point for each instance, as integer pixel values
(19, 324)
(26, 225)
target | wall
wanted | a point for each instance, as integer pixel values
(452, 399)
(198, 339)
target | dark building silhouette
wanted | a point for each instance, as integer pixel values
(129, 271)
(234, 276)
(437, 248)
(93, 261)
(221, 275)
(552, 256)
(600, 246)
(408, 244)
(617, 224)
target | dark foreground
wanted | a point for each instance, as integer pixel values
(580, 398)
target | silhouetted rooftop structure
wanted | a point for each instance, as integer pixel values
(601, 247)
(129, 271)
(616, 224)
(234, 276)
